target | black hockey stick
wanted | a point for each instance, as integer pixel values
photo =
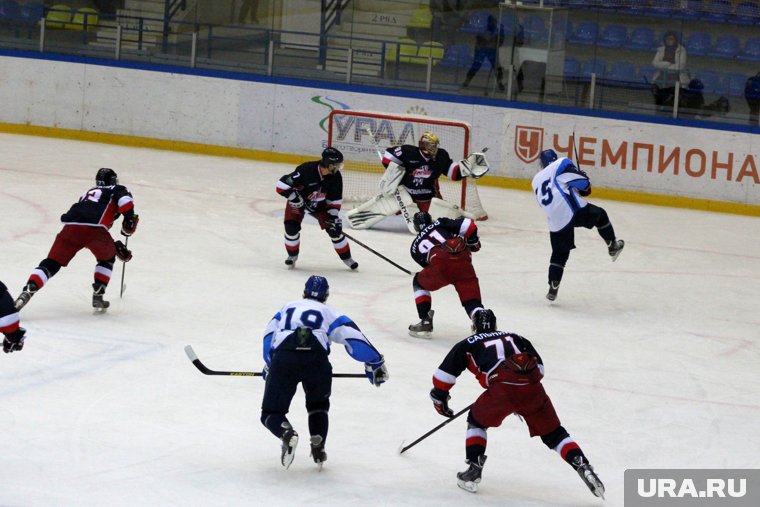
(444, 423)
(207, 371)
(377, 253)
(123, 269)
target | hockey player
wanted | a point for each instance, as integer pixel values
(510, 370)
(410, 182)
(296, 348)
(560, 188)
(443, 249)
(10, 324)
(86, 225)
(317, 188)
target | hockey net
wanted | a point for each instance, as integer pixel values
(362, 137)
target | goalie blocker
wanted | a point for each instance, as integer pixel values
(395, 198)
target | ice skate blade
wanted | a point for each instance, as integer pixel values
(424, 335)
(470, 486)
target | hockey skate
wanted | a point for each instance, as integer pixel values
(614, 248)
(290, 262)
(27, 292)
(553, 289)
(589, 477)
(318, 450)
(289, 443)
(351, 263)
(98, 303)
(470, 478)
(423, 328)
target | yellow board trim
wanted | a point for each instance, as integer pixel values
(268, 156)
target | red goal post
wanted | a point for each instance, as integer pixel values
(362, 137)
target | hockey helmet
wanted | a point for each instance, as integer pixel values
(429, 144)
(421, 220)
(547, 157)
(483, 321)
(316, 288)
(106, 177)
(332, 159)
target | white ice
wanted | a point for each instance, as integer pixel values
(652, 361)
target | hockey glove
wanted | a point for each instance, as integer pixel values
(441, 402)
(376, 372)
(129, 225)
(473, 243)
(14, 341)
(475, 165)
(312, 206)
(124, 254)
(335, 226)
(296, 201)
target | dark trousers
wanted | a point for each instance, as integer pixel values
(289, 368)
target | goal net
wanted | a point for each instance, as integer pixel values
(363, 136)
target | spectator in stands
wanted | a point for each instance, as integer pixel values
(248, 7)
(446, 19)
(752, 94)
(670, 62)
(487, 48)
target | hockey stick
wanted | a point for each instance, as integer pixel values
(123, 269)
(207, 371)
(444, 423)
(377, 253)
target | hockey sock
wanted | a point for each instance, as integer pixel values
(44, 272)
(340, 244)
(274, 423)
(292, 238)
(604, 227)
(560, 441)
(104, 270)
(422, 299)
(476, 439)
(319, 420)
(471, 306)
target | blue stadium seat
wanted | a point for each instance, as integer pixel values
(698, 44)
(751, 50)
(9, 12)
(585, 33)
(726, 46)
(719, 11)
(622, 73)
(747, 13)
(639, 7)
(572, 68)
(642, 39)
(734, 84)
(456, 55)
(535, 28)
(711, 80)
(593, 66)
(695, 9)
(665, 8)
(613, 36)
(477, 23)
(584, 4)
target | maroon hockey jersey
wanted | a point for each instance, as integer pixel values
(100, 206)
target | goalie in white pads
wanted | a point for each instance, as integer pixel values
(410, 183)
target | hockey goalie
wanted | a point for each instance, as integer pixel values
(410, 183)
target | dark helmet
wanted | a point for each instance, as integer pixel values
(547, 157)
(483, 321)
(316, 288)
(421, 220)
(331, 156)
(106, 177)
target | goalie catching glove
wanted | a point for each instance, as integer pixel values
(376, 371)
(475, 165)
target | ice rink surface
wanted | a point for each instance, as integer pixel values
(651, 361)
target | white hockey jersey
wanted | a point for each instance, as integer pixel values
(327, 325)
(557, 189)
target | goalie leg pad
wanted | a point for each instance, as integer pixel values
(440, 208)
(371, 212)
